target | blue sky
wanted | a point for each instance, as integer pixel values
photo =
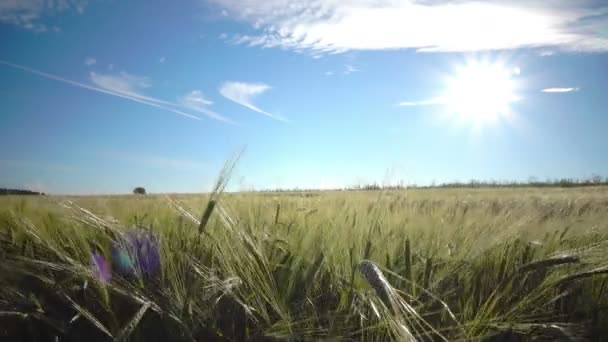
(103, 96)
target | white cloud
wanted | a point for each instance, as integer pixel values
(339, 25)
(121, 85)
(195, 98)
(196, 101)
(244, 93)
(560, 90)
(30, 14)
(124, 83)
(121, 82)
(546, 53)
(329, 73)
(130, 85)
(90, 61)
(350, 69)
(162, 60)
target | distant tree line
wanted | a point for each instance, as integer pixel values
(4, 191)
(532, 182)
(594, 180)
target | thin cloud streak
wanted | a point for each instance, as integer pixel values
(96, 89)
(90, 61)
(195, 101)
(350, 69)
(152, 102)
(127, 84)
(560, 90)
(244, 93)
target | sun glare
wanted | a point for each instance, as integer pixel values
(481, 92)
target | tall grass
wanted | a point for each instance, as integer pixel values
(428, 265)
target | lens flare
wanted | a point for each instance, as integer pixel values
(481, 92)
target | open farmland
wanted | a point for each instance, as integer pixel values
(426, 264)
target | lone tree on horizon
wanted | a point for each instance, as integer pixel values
(139, 191)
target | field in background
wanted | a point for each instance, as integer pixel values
(423, 264)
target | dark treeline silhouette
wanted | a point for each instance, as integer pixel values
(532, 182)
(19, 192)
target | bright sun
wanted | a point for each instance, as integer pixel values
(480, 92)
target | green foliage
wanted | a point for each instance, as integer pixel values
(430, 265)
(139, 191)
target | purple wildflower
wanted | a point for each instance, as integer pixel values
(101, 270)
(123, 260)
(138, 253)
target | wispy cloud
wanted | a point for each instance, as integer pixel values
(329, 73)
(546, 53)
(30, 14)
(90, 61)
(121, 82)
(330, 26)
(349, 69)
(124, 83)
(560, 90)
(131, 85)
(121, 85)
(126, 86)
(196, 101)
(162, 60)
(429, 102)
(244, 93)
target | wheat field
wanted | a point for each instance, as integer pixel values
(408, 265)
